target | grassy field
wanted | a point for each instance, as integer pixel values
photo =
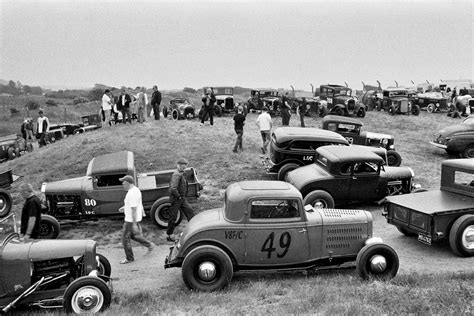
(157, 145)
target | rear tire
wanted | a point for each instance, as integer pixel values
(49, 227)
(339, 112)
(285, 169)
(319, 199)
(5, 203)
(160, 212)
(165, 112)
(175, 115)
(379, 261)
(415, 110)
(391, 110)
(104, 267)
(11, 153)
(361, 112)
(468, 152)
(461, 236)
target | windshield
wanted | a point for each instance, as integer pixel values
(7, 227)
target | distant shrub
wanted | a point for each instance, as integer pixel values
(80, 100)
(51, 102)
(32, 105)
(190, 90)
(14, 111)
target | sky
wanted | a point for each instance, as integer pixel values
(253, 44)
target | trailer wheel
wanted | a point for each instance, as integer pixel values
(461, 236)
(5, 203)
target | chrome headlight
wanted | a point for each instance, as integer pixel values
(384, 142)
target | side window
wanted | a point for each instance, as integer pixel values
(108, 180)
(365, 168)
(346, 168)
(332, 127)
(301, 145)
(271, 209)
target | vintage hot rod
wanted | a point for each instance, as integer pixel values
(264, 225)
(52, 273)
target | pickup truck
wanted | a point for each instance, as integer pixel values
(100, 192)
(444, 214)
(264, 225)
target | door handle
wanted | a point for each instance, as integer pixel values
(302, 231)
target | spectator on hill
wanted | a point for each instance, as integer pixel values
(239, 122)
(124, 103)
(302, 108)
(208, 100)
(264, 122)
(285, 110)
(178, 191)
(142, 101)
(29, 127)
(43, 128)
(116, 108)
(155, 102)
(106, 108)
(133, 210)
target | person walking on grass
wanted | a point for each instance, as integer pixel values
(239, 121)
(178, 191)
(133, 210)
(264, 122)
(208, 101)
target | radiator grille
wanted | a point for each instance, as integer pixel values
(343, 237)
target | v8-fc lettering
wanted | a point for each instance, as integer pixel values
(234, 234)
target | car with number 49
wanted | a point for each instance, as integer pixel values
(264, 225)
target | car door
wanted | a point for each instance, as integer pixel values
(364, 181)
(276, 233)
(105, 195)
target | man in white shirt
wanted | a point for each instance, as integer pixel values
(133, 210)
(43, 128)
(106, 107)
(264, 122)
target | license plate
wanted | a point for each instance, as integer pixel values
(424, 239)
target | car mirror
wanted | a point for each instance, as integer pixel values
(308, 208)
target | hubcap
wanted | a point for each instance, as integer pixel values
(207, 271)
(3, 204)
(468, 237)
(378, 264)
(87, 299)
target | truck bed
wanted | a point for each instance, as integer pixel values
(431, 202)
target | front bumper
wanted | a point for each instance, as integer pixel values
(171, 261)
(438, 145)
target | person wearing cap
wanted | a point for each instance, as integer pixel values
(133, 210)
(264, 122)
(43, 128)
(178, 191)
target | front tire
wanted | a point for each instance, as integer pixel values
(361, 112)
(49, 227)
(207, 268)
(430, 108)
(160, 212)
(285, 169)
(11, 153)
(104, 267)
(86, 295)
(415, 110)
(5, 203)
(379, 261)
(461, 236)
(319, 199)
(175, 115)
(393, 158)
(391, 110)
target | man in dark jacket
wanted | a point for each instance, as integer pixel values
(208, 101)
(178, 191)
(155, 102)
(30, 214)
(124, 104)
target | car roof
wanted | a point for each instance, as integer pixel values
(284, 134)
(342, 119)
(334, 86)
(238, 194)
(115, 163)
(348, 153)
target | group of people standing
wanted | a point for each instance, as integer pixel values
(127, 105)
(42, 129)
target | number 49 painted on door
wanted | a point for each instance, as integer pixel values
(285, 242)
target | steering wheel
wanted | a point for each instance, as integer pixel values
(278, 209)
